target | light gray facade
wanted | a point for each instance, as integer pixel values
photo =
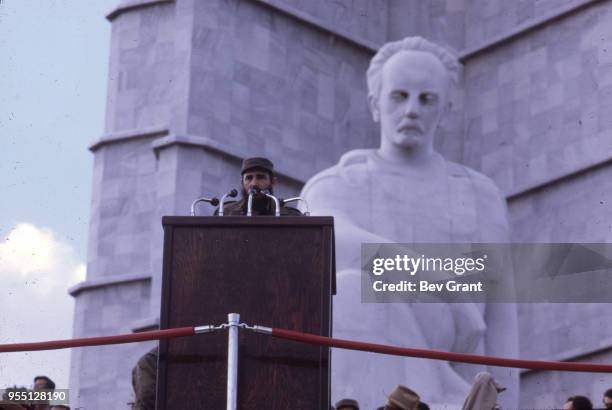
(196, 85)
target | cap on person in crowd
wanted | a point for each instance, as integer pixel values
(403, 398)
(347, 404)
(257, 162)
(578, 403)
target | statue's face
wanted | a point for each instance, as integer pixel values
(412, 99)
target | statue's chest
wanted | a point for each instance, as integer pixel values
(417, 210)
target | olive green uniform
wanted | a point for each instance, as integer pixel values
(144, 380)
(239, 208)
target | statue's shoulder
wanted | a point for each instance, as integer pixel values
(489, 202)
(350, 170)
(355, 158)
(478, 181)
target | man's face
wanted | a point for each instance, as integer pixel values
(256, 178)
(412, 99)
(40, 384)
(607, 402)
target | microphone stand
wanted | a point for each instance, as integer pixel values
(212, 201)
(297, 198)
(276, 203)
(231, 194)
(252, 192)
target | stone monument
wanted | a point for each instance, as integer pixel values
(404, 192)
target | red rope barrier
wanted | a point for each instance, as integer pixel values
(439, 355)
(318, 340)
(100, 340)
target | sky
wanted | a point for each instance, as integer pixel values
(54, 58)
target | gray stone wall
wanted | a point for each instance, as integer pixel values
(140, 72)
(442, 21)
(487, 19)
(535, 106)
(123, 204)
(263, 82)
(364, 19)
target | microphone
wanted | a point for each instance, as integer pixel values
(231, 194)
(213, 201)
(297, 198)
(276, 203)
(252, 191)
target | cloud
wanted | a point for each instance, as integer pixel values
(36, 270)
(29, 252)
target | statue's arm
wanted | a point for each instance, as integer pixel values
(331, 196)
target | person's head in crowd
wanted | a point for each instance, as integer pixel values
(6, 396)
(578, 403)
(402, 398)
(59, 407)
(347, 404)
(483, 394)
(422, 406)
(607, 399)
(257, 173)
(43, 383)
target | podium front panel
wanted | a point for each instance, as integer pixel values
(274, 272)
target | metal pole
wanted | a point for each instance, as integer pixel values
(232, 360)
(250, 203)
(276, 204)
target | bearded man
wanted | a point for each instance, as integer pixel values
(257, 174)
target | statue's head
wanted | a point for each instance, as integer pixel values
(408, 91)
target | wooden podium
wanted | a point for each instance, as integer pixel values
(273, 271)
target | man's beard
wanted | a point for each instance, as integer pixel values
(260, 201)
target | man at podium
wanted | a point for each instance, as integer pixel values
(257, 174)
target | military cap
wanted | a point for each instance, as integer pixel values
(404, 398)
(257, 162)
(347, 403)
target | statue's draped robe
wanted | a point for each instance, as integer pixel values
(373, 201)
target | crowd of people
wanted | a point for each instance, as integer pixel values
(482, 396)
(10, 401)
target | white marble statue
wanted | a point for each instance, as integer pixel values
(406, 192)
